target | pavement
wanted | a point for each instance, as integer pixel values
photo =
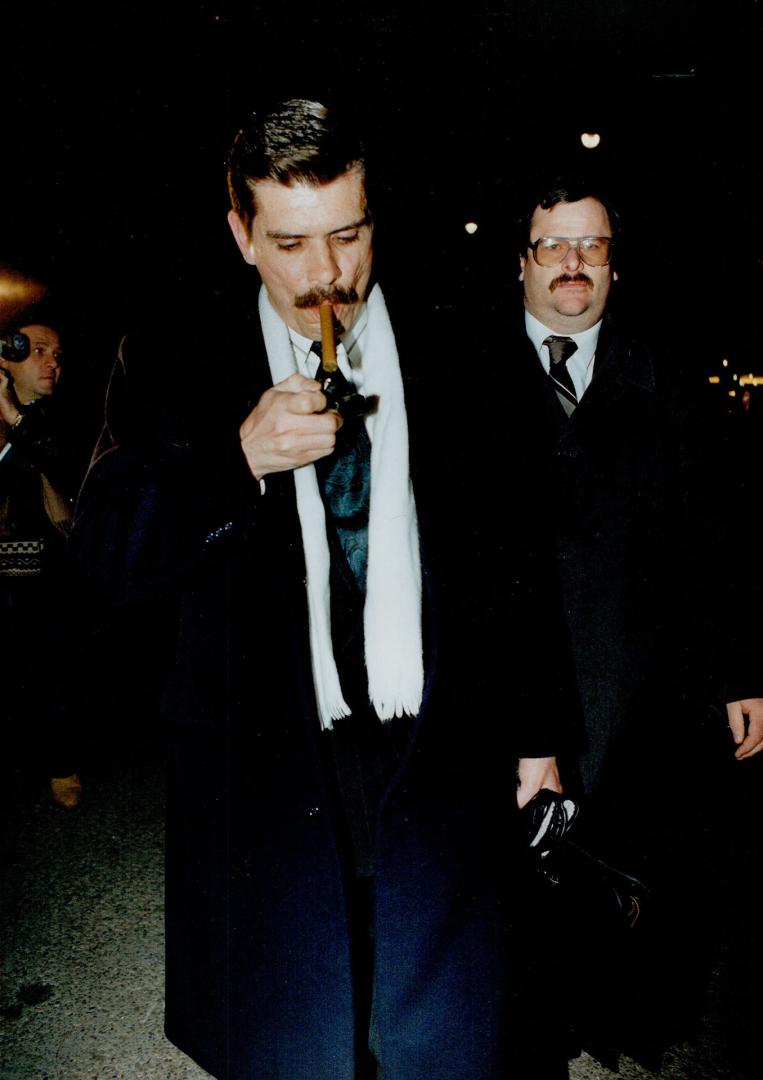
(82, 939)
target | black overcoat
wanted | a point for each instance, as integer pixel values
(644, 489)
(258, 961)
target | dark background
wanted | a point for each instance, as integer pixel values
(117, 120)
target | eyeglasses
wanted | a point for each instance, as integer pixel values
(552, 250)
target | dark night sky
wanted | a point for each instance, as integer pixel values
(116, 122)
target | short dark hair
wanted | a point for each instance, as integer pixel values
(295, 141)
(564, 190)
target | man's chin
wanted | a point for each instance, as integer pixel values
(572, 306)
(307, 322)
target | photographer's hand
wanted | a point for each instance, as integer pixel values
(9, 410)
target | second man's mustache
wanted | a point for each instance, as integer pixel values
(564, 279)
(334, 295)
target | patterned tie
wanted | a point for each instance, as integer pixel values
(560, 349)
(344, 479)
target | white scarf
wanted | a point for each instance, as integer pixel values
(392, 614)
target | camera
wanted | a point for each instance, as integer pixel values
(14, 347)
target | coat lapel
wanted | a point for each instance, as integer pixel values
(619, 368)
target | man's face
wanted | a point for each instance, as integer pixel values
(571, 296)
(310, 243)
(36, 377)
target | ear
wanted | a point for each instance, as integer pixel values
(241, 236)
(522, 263)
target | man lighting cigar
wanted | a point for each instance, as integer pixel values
(343, 788)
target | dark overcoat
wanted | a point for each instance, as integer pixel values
(651, 509)
(643, 486)
(258, 952)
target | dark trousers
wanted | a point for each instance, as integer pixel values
(360, 756)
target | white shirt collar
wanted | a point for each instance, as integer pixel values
(586, 340)
(580, 364)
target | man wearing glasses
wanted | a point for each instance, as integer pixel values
(640, 545)
(567, 276)
(664, 652)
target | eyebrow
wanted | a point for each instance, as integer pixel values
(277, 234)
(585, 236)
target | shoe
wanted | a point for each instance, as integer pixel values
(66, 791)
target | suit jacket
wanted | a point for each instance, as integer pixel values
(641, 482)
(259, 979)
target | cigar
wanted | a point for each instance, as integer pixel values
(340, 394)
(327, 337)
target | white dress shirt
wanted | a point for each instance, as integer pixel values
(580, 364)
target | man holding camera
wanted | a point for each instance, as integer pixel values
(35, 517)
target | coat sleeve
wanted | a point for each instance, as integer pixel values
(486, 478)
(525, 650)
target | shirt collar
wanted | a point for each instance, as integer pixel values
(586, 340)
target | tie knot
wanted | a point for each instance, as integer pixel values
(560, 348)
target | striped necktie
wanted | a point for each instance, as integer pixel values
(559, 350)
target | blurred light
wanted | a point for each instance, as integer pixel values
(714, 379)
(725, 362)
(17, 295)
(735, 377)
(732, 393)
(590, 140)
(751, 380)
(471, 227)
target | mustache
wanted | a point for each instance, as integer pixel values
(335, 295)
(563, 279)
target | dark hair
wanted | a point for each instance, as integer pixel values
(295, 141)
(564, 190)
